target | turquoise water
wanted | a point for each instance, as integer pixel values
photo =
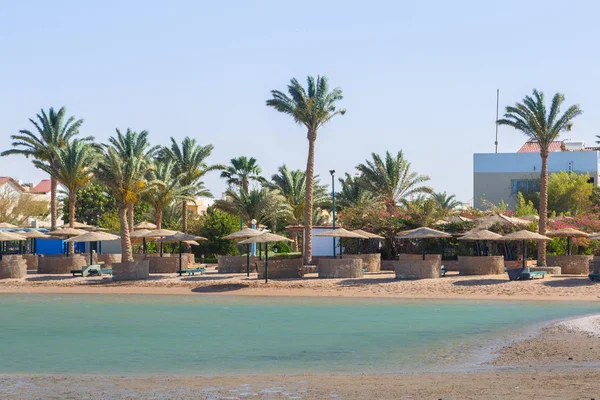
(216, 335)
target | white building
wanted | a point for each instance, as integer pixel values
(501, 176)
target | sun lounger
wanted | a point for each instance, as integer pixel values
(364, 270)
(594, 277)
(443, 271)
(192, 271)
(521, 274)
(77, 272)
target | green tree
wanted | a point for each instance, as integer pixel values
(264, 205)
(93, 201)
(72, 166)
(422, 211)
(391, 180)
(352, 193)
(524, 207)
(447, 205)
(312, 107)
(214, 226)
(190, 166)
(569, 193)
(52, 132)
(166, 191)
(543, 127)
(241, 171)
(124, 174)
(292, 185)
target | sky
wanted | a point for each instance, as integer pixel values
(420, 77)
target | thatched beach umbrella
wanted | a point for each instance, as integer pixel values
(524, 236)
(66, 232)
(481, 235)
(341, 233)
(266, 238)
(181, 237)
(34, 235)
(140, 234)
(369, 235)
(568, 233)
(144, 225)
(244, 234)
(77, 225)
(423, 233)
(7, 225)
(92, 237)
(159, 233)
(9, 237)
(500, 219)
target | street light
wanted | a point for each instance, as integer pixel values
(332, 172)
(253, 222)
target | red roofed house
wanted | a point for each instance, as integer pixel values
(501, 176)
(14, 193)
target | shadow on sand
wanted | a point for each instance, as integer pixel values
(363, 282)
(569, 282)
(46, 278)
(204, 278)
(480, 282)
(220, 288)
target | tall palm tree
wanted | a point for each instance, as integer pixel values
(311, 107)
(446, 204)
(53, 130)
(124, 174)
(241, 171)
(190, 165)
(391, 180)
(166, 191)
(543, 127)
(352, 193)
(72, 166)
(264, 205)
(137, 146)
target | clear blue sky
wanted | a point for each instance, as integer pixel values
(417, 76)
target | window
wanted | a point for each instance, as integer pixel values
(526, 186)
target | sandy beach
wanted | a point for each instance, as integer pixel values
(380, 284)
(561, 362)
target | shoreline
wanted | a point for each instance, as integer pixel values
(373, 285)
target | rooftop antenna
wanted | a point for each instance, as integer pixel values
(497, 107)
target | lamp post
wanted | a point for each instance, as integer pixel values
(332, 172)
(253, 244)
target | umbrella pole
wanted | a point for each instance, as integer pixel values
(568, 246)
(161, 251)
(357, 246)
(248, 260)
(341, 249)
(423, 247)
(524, 253)
(1, 245)
(180, 257)
(144, 248)
(260, 251)
(266, 262)
(91, 261)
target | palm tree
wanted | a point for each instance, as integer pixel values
(52, 132)
(264, 205)
(124, 174)
(72, 167)
(166, 191)
(446, 204)
(391, 180)
(311, 107)
(241, 171)
(190, 165)
(136, 146)
(543, 127)
(352, 193)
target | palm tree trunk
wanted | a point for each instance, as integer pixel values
(130, 217)
(308, 202)
(245, 184)
(126, 250)
(72, 201)
(53, 210)
(184, 216)
(543, 208)
(158, 219)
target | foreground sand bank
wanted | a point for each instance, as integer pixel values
(380, 284)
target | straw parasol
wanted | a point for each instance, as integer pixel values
(139, 234)
(369, 235)
(9, 237)
(77, 225)
(480, 235)
(524, 236)
(181, 237)
(7, 225)
(93, 237)
(501, 219)
(144, 225)
(568, 233)
(244, 234)
(34, 235)
(266, 238)
(423, 233)
(66, 232)
(341, 233)
(159, 233)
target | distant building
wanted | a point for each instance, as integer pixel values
(13, 192)
(501, 176)
(200, 206)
